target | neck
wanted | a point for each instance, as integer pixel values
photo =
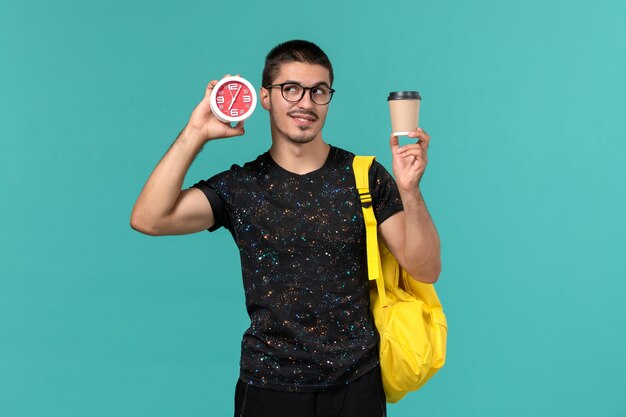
(300, 158)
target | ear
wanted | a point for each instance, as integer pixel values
(264, 93)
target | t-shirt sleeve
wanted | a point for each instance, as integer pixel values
(385, 194)
(218, 205)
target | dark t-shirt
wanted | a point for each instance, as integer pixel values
(302, 245)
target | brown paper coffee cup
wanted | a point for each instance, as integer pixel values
(404, 108)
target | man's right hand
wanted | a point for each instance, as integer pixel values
(204, 123)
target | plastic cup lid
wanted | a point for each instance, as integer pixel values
(404, 95)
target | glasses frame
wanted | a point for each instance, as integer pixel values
(282, 93)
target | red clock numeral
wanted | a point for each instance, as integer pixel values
(220, 99)
(232, 86)
(234, 112)
(247, 99)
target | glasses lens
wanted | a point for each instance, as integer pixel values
(292, 92)
(321, 94)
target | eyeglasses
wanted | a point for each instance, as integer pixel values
(293, 92)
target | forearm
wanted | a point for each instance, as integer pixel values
(163, 187)
(422, 246)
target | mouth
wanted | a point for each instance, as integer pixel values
(303, 119)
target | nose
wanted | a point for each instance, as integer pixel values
(306, 102)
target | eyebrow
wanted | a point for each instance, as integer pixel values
(299, 83)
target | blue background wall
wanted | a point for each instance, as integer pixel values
(524, 102)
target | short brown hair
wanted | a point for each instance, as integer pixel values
(294, 51)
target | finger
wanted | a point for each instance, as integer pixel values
(210, 87)
(415, 161)
(425, 140)
(414, 147)
(419, 132)
(414, 155)
(423, 137)
(419, 158)
(421, 144)
(394, 143)
(238, 130)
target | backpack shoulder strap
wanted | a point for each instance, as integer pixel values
(361, 166)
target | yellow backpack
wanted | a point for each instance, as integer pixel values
(408, 314)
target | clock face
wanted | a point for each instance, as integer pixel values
(233, 99)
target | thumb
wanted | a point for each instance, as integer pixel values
(209, 88)
(394, 143)
(238, 130)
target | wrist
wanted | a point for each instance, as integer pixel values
(193, 137)
(411, 197)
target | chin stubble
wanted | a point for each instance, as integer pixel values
(303, 129)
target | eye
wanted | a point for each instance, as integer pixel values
(320, 91)
(291, 88)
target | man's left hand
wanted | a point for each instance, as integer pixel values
(409, 161)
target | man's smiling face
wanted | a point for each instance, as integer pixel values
(302, 121)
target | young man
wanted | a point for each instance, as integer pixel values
(311, 349)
